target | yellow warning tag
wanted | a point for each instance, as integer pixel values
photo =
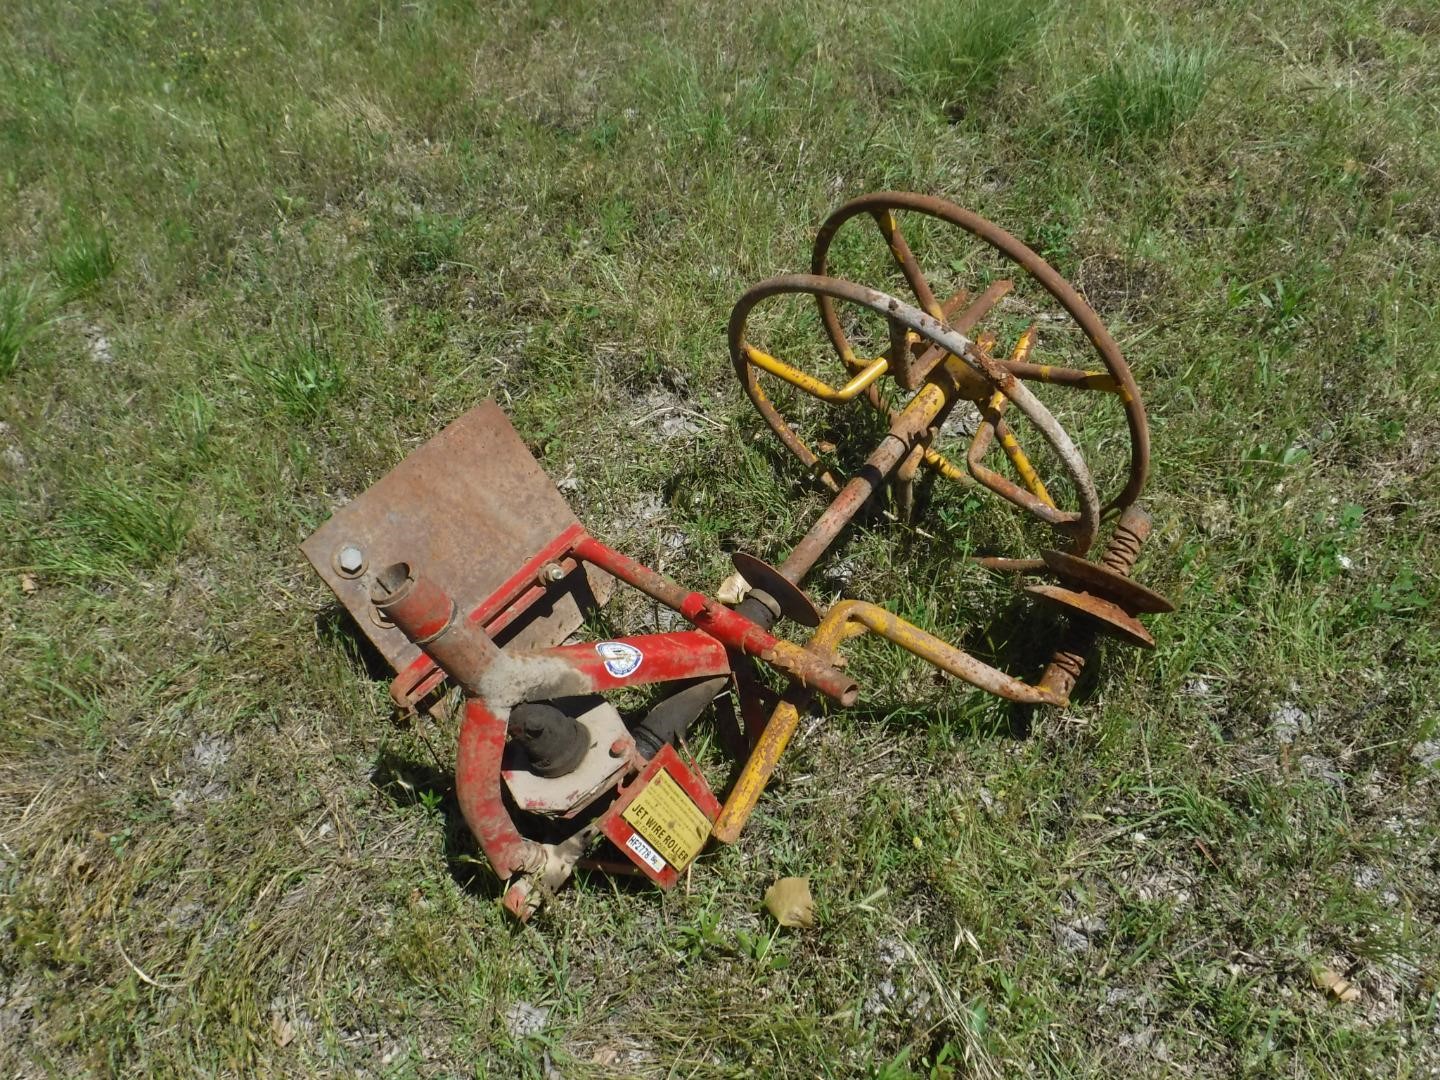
(669, 819)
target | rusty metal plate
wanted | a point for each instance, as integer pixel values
(1101, 613)
(469, 508)
(1102, 581)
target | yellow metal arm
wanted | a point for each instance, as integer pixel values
(845, 620)
(813, 386)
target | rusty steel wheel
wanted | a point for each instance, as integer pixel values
(977, 375)
(963, 313)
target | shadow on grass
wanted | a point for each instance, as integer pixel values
(1019, 640)
(406, 780)
(333, 625)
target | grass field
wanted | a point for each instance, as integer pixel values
(253, 254)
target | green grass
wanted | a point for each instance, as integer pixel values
(422, 244)
(952, 55)
(300, 374)
(1143, 95)
(113, 524)
(18, 323)
(254, 254)
(83, 259)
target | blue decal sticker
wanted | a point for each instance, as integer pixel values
(620, 659)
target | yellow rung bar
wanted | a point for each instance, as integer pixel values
(813, 386)
(1028, 476)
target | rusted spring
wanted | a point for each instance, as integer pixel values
(1123, 551)
(1073, 652)
(1084, 526)
(881, 203)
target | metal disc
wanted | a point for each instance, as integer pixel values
(1105, 616)
(1093, 578)
(794, 604)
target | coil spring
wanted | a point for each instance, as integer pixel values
(1125, 544)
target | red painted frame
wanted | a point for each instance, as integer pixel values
(664, 657)
(720, 634)
(686, 654)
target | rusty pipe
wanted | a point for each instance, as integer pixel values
(477, 789)
(910, 429)
(427, 615)
(726, 626)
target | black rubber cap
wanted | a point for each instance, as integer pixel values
(555, 743)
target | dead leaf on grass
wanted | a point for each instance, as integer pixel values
(28, 584)
(789, 900)
(282, 1029)
(1336, 985)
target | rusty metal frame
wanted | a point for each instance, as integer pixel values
(510, 646)
(966, 366)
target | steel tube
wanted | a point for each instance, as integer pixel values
(477, 789)
(426, 614)
(907, 431)
(725, 625)
(685, 654)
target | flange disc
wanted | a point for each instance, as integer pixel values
(1106, 617)
(794, 604)
(1101, 580)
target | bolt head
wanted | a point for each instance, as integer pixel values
(351, 559)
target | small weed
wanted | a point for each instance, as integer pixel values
(1404, 595)
(121, 840)
(302, 376)
(701, 936)
(114, 525)
(761, 951)
(1144, 95)
(949, 52)
(192, 416)
(83, 260)
(1284, 307)
(18, 323)
(422, 245)
(943, 1066)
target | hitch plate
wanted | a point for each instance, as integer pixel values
(472, 507)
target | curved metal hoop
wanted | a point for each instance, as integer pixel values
(882, 205)
(974, 367)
